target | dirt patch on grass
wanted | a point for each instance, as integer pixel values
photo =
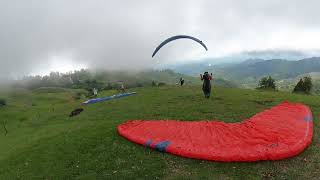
(175, 169)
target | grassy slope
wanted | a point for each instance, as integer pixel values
(44, 143)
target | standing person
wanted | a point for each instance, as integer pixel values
(122, 87)
(206, 86)
(181, 81)
(95, 92)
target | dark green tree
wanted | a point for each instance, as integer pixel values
(3, 102)
(267, 83)
(154, 83)
(304, 85)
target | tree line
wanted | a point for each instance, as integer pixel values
(85, 79)
(304, 85)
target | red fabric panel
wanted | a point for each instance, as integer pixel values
(280, 132)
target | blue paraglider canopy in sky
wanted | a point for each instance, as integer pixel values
(173, 38)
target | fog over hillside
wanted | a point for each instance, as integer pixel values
(42, 36)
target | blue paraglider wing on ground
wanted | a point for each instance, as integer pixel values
(96, 100)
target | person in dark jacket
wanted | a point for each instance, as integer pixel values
(181, 82)
(206, 86)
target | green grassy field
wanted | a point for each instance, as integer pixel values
(44, 143)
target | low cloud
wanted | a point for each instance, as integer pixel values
(123, 34)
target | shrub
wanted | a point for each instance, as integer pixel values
(304, 85)
(267, 83)
(3, 102)
(161, 84)
(153, 83)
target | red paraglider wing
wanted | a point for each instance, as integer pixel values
(280, 132)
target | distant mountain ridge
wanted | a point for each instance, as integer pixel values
(250, 57)
(247, 73)
(279, 68)
(255, 68)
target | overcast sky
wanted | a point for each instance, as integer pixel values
(41, 35)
